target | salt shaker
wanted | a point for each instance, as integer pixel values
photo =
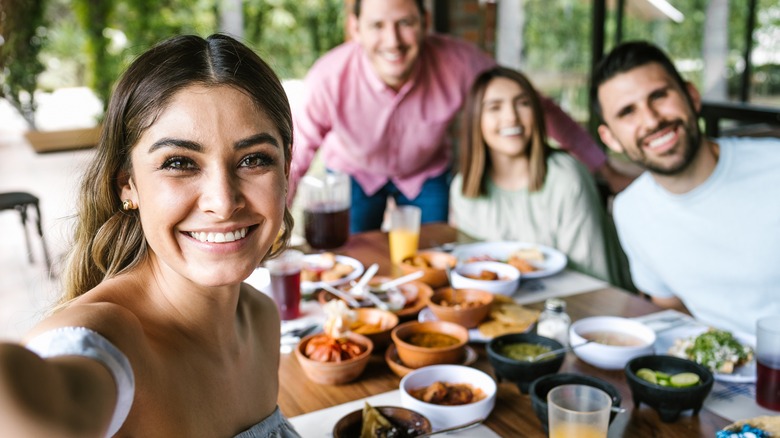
(554, 322)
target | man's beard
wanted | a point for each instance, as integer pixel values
(690, 149)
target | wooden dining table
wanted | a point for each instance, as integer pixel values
(513, 415)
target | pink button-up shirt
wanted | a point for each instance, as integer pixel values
(366, 129)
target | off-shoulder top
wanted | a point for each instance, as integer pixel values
(81, 341)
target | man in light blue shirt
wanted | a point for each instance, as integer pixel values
(701, 227)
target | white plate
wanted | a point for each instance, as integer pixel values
(742, 374)
(554, 260)
(308, 287)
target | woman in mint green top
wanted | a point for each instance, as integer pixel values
(513, 186)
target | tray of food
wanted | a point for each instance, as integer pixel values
(532, 260)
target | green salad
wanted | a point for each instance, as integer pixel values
(717, 350)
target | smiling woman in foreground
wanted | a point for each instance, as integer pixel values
(157, 335)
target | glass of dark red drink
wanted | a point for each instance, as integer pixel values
(285, 273)
(768, 362)
(326, 202)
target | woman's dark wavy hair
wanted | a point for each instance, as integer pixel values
(474, 158)
(109, 241)
(628, 56)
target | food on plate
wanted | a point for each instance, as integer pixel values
(717, 350)
(679, 380)
(617, 339)
(333, 345)
(483, 275)
(325, 268)
(532, 254)
(524, 266)
(506, 316)
(760, 427)
(432, 340)
(523, 259)
(524, 351)
(376, 425)
(448, 394)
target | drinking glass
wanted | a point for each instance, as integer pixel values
(326, 204)
(768, 362)
(285, 273)
(580, 411)
(404, 232)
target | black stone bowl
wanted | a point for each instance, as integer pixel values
(412, 423)
(668, 401)
(522, 373)
(541, 386)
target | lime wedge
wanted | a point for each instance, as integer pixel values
(683, 380)
(647, 374)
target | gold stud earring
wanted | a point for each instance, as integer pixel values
(128, 204)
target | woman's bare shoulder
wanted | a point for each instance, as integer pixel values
(97, 311)
(259, 303)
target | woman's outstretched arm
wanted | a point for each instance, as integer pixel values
(65, 396)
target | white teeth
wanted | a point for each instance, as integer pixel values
(514, 130)
(230, 236)
(661, 140)
(390, 56)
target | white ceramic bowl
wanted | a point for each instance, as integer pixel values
(610, 357)
(507, 284)
(449, 416)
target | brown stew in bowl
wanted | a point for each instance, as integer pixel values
(432, 340)
(448, 394)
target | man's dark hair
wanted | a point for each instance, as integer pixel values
(628, 56)
(358, 4)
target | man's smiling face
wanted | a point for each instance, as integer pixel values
(391, 33)
(648, 116)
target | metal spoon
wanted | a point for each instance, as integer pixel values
(557, 351)
(343, 295)
(360, 286)
(361, 289)
(453, 429)
(384, 287)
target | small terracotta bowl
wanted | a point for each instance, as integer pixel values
(467, 307)
(334, 373)
(434, 265)
(411, 422)
(415, 356)
(383, 323)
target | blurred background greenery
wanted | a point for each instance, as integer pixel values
(52, 44)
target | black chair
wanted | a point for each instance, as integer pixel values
(20, 201)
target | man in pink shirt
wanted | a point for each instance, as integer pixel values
(379, 106)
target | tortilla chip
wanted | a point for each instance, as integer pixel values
(506, 316)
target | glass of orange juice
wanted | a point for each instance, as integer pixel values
(578, 411)
(404, 232)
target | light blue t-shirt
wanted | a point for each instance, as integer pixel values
(717, 247)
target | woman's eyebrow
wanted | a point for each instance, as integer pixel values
(175, 142)
(262, 138)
